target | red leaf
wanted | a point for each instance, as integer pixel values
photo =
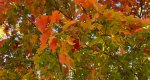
(2, 43)
(53, 43)
(76, 45)
(146, 51)
(2, 6)
(42, 22)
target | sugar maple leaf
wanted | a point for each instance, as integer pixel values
(53, 43)
(121, 51)
(76, 45)
(97, 15)
(2, 6)
(67, 24)
(64, 58)
(44, 37)
(2, 43)
(78, 1)
(56, 15)
(42, 22)
(147, 51)
(109, 15)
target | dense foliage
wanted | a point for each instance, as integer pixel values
(75, 39)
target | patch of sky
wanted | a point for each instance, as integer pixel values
(29, 15)
(4, 58)
(118, 4)
(16, 39)
(86, 43)
(93, 36)
(130, 64)
(55, 30)
(39, 74)
(20, 20)
(129, 49)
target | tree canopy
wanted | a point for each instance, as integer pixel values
(74, 39)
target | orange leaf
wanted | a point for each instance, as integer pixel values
(44, 37)
(95, 4)
(146, 20)
(109, 14)
(97, 15)
(121, 51)
(78, 1)
(55, 16)
(86, 4)
(42, 22)
(53, 43)
(64, 58)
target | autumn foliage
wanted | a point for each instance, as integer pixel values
(75, 39)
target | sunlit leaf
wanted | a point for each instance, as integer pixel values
(53, 43)
(69, 23)
(42, 23)
(44, 37)
(56, 15)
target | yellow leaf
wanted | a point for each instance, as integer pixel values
(69, 40)
(33, 39)
(69, 23)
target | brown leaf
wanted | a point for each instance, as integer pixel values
(2, 43)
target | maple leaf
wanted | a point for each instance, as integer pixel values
(64, 58)
(56, 15)
(121, 51)
(2, 6)
(2, 43)
(68, 24)
(44, 37)
(109, 14)
(33, 39)
(135, 28)
(78, 1)
(97, 15)
(42, 22)
(53, 43)
(76, 45)
(146, 20)
(86, 4)
(147, 51)
(95, 4)
(69, 40)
